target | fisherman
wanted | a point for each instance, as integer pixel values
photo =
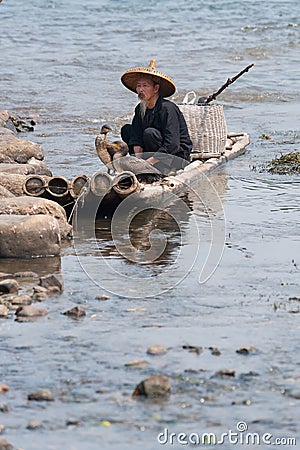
(158, 131)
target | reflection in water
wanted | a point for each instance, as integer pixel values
(204, 199)
(164, 239)
(149, 230)
(41, 266)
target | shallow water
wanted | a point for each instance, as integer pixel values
(63, 61)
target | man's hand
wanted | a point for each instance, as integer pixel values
(152, 160)
(138, 151)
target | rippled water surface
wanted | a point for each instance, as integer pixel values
(62, 61)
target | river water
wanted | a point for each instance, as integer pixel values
(62, 61)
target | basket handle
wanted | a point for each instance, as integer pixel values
(187, 101)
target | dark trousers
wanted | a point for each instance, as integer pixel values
(152, 143)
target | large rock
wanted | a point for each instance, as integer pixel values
(4, 117)
(5, 192)
(15, 123)
(25, 169)
(6, 159)
(35, 205)
(155, 386)
(19, 150)
(29, 236)
(15, 182)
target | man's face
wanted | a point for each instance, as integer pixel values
(146, 89)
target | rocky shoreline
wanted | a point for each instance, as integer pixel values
(33, 217)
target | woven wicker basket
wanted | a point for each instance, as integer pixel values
(207, 128)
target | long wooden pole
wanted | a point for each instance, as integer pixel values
(229, 81)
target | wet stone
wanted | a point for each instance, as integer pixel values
(39, 297)
(4, 388)
(194, 370)
(5, 276)
(39, 289)
(73, 422)
(156, 350)
(3, 311)
(294, 299)
(136, 363)
(53, 283)
(5, 445)
(34, 425)
(40, 293)
(193, 348)
(6, 299)
(155, 386)
(42, 395)
(248, 375)
(8, 286)
(30, 311)
(75, 312)
(5, 408)
(26, 275)
(102, 297)
(225, 373)
(23, 299)
(292, 393)
(214, 350)
(246, 350)
(246, 402)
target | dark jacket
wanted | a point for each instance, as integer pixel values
(168, 119)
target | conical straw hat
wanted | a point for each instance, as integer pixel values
(131, 77)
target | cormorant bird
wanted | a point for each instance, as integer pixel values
(136, 165)
(109, 151)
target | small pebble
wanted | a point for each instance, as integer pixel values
(246, 350)
(5, 408)
(2, 428)
(72, 422)
(137, 362)
(225, 373)
(214, 350)
(4, 388)
(242, 402)
(193, 348)
(34, 425)
(43, 395)
(105, 423)
(156, 350)
(265, 136)
(102, 297)
(27, 274)
(102, 390)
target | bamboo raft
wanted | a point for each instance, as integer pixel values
(104, 193)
